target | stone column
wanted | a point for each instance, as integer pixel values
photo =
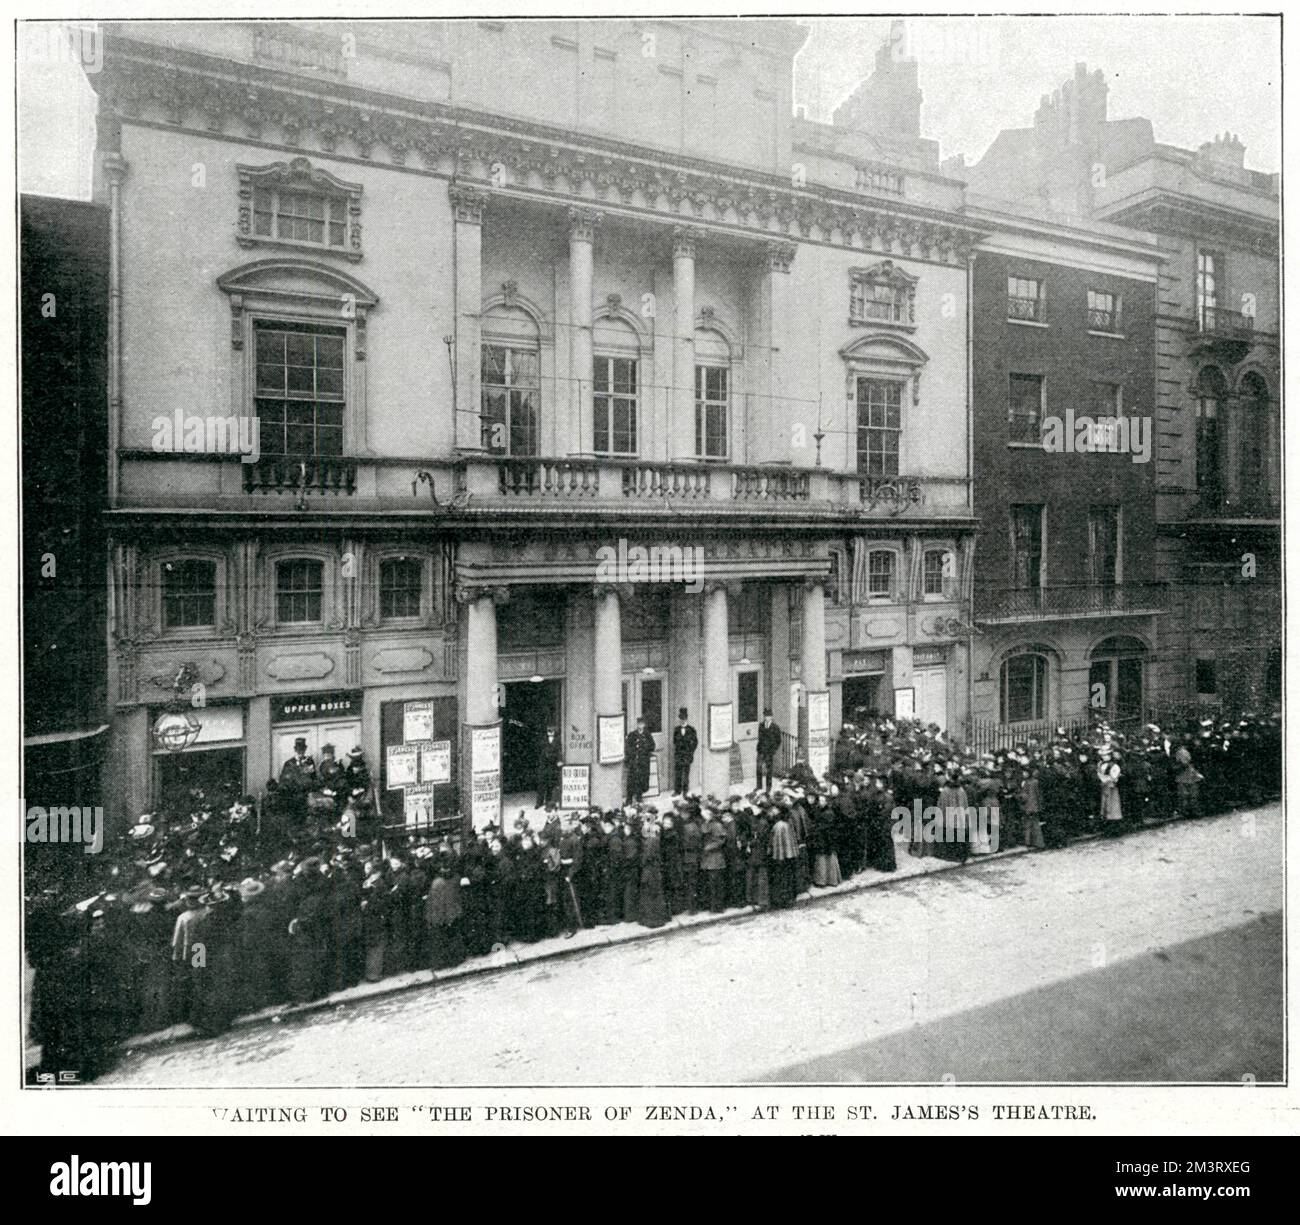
(682, 403)
(778, 673)
(467, 208)
(582, 235)
(480, 680)
(769, 436)
(715, 776)
(812, 650)
(607, 690)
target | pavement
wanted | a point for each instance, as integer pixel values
(1152, 957)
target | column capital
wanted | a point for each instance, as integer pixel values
(621, 591)
(684, 239)
(815, 583)
(583, 223)
(471, 593)
(114, 167)
(780, 255)
(467, 203)
(730, 585)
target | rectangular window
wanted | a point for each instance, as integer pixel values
(511, 384)
(1027, 546)
(299, 391)
(878, 302)
(1105, 399)
(1026, 299)
(932, 575)
(1025, 408)
(1206, 682)
(880, 426)
(711, 433)
(298, 586)
(189, 593)
(880, 575)
(1209, 272)
(401, 586)
(614, 405)
(300, 216)
(1103, 311)
(1103, 545)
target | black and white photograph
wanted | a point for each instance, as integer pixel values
(612, 552)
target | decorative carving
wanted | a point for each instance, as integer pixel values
(467, 203)
(401, 659)
(780, 255)
(307, 665)
(509, 292)
(898, 310)
(684, 239)
(583, 223)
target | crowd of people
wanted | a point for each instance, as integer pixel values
(202, 915)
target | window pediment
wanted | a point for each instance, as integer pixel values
(298, 286)
(882, 294)
(296, 204)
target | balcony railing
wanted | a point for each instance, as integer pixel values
(770, 484)
(1103, 320)
(1029, 309)
(1219, 321)
(554, 478)
(1069, 601)
(300, 474)
(679, 482)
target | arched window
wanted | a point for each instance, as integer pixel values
(1211, 397)
(616, 387)
(712, 395)
(1115, 679)
(1252, 437)
(510, 364)
(1024, 687)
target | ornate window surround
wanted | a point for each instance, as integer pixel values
(221, 606)
(885, 356)
(291, 289)
(332, 620)
(298, 175)
(429, 569)
(886, 272)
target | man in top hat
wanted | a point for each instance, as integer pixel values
(550, 757)
(356, 771)
(297, 778)
(685, 742)
(769, 744)
(637, 752)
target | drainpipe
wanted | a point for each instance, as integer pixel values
(115, 171)
(970, 488)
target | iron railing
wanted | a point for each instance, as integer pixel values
(1069, 600)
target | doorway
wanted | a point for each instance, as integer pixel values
(859, 695)
(529, 707)
(343, 734)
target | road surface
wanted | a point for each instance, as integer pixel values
(1153, 957)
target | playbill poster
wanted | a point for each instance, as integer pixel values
(528, 405)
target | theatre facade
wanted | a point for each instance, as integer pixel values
(436, 419)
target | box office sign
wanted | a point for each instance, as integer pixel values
(307, 707)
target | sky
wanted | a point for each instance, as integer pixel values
(1193, 77)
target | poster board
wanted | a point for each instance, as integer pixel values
(435, 761)
(403, 766)
(819, 731)
(905, 703)
(485, 774)
(720, 725)
(610, 736)
(417, 722)
(575, 787)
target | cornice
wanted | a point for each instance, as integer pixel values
(147, 84)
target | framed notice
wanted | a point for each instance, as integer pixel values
(418, 806)
(575, 787)
(721, 722)
(905, 703)
(403, 766)
(435, 761)
(609, 739)
(417, 721)
(485, 774)
(819, 731)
